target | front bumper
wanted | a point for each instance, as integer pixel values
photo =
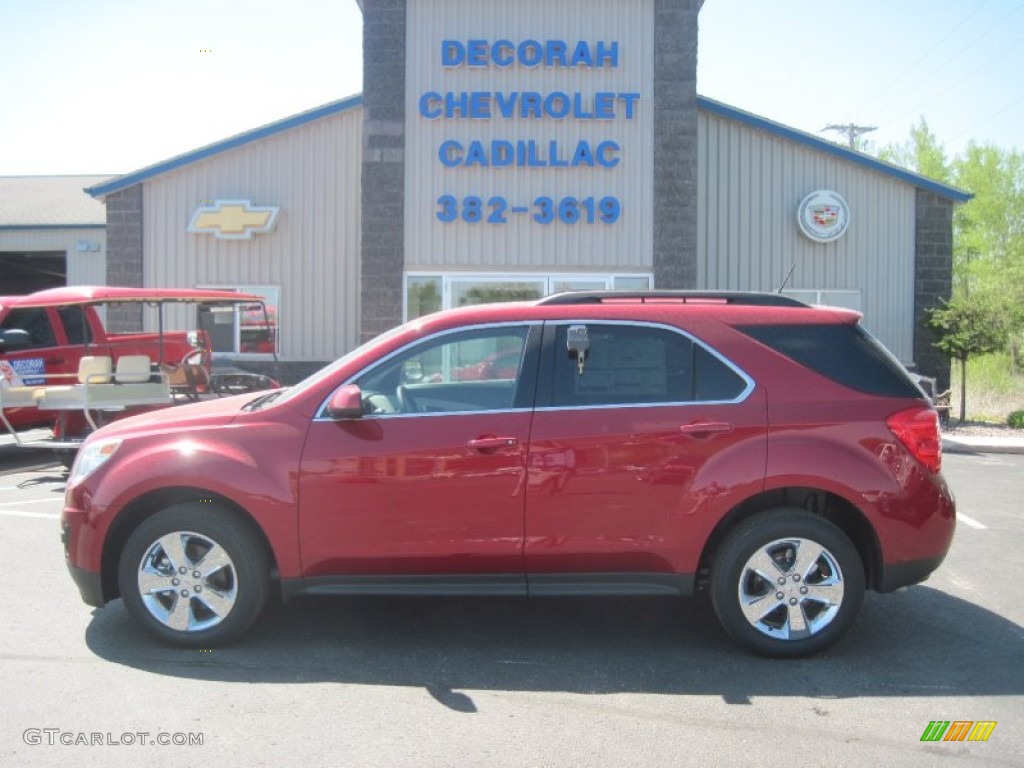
(90, 585)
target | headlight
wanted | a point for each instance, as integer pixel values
(91, 457)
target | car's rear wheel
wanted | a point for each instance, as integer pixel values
(194, 576)
(786, 583)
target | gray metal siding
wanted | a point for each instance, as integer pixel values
(750, 184)
(312, 173)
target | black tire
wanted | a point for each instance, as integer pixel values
(209, 603)
(66, 456)
(827, 601)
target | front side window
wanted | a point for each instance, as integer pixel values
(36, 322)
(475, 370)
(599, 365)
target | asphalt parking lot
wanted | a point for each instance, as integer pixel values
(396, 682)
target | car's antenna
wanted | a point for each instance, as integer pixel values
(788, 275)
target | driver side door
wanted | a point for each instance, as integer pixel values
(427, 488)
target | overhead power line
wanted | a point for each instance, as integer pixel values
(893, 81)
(851, 131)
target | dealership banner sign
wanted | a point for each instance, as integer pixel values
(533, 121)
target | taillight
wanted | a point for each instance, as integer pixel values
(918, 430)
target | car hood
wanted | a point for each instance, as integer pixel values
(180, 418)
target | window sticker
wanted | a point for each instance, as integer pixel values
(30, 371)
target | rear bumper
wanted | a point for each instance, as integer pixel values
(896, 575)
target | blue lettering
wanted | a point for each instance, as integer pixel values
(578, 111)
(608, 154)
(553, 152)
(455, 103)
(520, 153)
(450, 154)
(533, 161)
(530, 101)
(607, 57)
(501, 60)
(453, 53)
(556, 53)
(480, 105)
(629, 99)
(604, 105)
(428, 111)
(476, 53)
(582, 55)
(506, 103)
(501, 153)
(475, 155)
(531, 53)
(583, 155)
(557, 105)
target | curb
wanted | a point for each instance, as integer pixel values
(983, 445)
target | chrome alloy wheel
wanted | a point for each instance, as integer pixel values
(791, 588)
(187, 581)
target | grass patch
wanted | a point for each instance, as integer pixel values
(994, 389)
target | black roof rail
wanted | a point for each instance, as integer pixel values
(740, 298)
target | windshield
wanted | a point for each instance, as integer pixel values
(328, 370)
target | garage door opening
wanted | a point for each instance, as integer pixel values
(29, 272)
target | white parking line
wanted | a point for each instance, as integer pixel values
(971, 522)
(59, 500)
(19, 513)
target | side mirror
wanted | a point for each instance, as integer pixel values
(14, 339)
(346, 403)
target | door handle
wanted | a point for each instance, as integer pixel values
(706, 428)
(55, 360)
(491, 443)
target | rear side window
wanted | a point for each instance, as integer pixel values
(76, 326)
(635, 364)
(846, 354)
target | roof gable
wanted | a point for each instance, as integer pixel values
(830, 148)
(240, 140)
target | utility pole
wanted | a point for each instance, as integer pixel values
(851, 131)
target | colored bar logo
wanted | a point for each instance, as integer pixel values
(958, 730)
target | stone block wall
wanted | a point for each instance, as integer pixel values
(124, 254)
(933, 279)
(382, 248)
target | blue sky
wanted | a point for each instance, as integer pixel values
(110, 86)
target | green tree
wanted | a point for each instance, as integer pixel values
(967, 327)
(921, 153)
(989, 230)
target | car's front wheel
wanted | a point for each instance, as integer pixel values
(786, 583)
(194, 576)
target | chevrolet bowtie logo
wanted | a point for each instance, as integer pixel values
(233, 219)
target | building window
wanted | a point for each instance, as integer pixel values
(843, 299)
(243, 330)
(425, 293)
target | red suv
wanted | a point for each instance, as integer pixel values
(658, 443)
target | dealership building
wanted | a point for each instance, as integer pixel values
(504, 150)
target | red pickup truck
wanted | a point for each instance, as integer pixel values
(44, 335)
